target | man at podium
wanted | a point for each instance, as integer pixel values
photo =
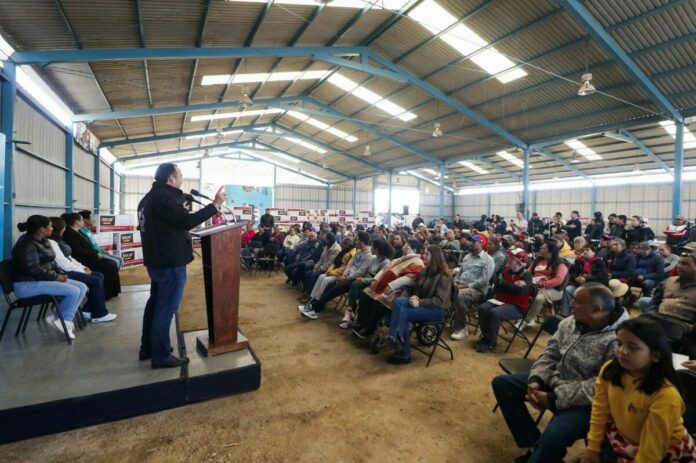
(164, 224)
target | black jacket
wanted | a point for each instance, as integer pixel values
(82, 249)
(599, 274)
(267, 221)
(535, 227)
(164, 226)
(34, 260)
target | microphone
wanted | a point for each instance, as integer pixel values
(199, 194)
(190, 198)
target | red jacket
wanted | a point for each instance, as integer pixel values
(506, 291)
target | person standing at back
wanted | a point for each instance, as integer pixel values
(164, 225)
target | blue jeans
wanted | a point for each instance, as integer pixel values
(565, 427)
(96, 302)
(71, 291)
(567, 297)
(117, 259)
(166, 291)
(644, 303)
(490, 316)
(403, 314)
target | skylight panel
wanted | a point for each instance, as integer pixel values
(321, 125)
(240, 114)
(223, 79)
(355, 4)
(582, 149)
(473, 167)
(348, 86)
(511, 158)
(436, 19)
(225, 133)
(306, 144)
(689, 139)
(432, 172)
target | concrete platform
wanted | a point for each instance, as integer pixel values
(49, 386)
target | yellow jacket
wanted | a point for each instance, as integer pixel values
(566, 251)
(334, 271)
(652, 422)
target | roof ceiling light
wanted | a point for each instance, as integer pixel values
(575, 158)
(580, 147)
(370, 97)
(374, 4)
(511, 158)
(473, 167)
(321, 125)
(259, 77)
(305, 144)
(216, 134)
(257, 112)
(586, 88)
(437, 132)
(689, 138)
(437, 19)
(367, 151)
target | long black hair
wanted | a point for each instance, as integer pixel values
(70, 218)
(553, 257)
(655, 338)
(34, 223)
(349, 246)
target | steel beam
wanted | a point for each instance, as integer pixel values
(46, 57)
(678, 168)
(628, 137)
(300, 158)
(156, 154)
(354, 192)
(563, 162)
(583, 17)
(290, 169)
(168, 136)
(122, 193)
(389, 198)
(525, 182)
(112, 192)
(69, 172)
(360, 66)
(443, 171)
(8, 90)
(97, 186)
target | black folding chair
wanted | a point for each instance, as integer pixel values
(25, 304)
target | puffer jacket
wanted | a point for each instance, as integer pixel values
(651, 267)
(622, 266)
(34, 260)
(570, 363)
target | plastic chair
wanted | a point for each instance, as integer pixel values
(25, 304)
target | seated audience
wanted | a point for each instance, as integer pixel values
(565, 252)
(475, 271)
(671, 260)
(376, 300)
(562, 378)
(429, 301)
(637, 409)
(649, 270)
(289, 243)
(326, 259)
(36, 272)
(677, 231)
(676, 296)
(85, 230)
(620, 263)
(450, 243)
(84, 253)
(549, 275)
(493, 249)
(519, 225)
(510, 300)
(587, 268)
(573, 226)
(328, 279)
(95, 309)
(307, 252)
(579, 244)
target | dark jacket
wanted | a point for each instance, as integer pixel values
(82, 249)
(535, 227)
(164, 225)
(433, 290)
(622, 266)
(599, 272)
(416, 222)
(267, 221)
(34, 260)
(651, 267)
(594, 231)
(573, 232)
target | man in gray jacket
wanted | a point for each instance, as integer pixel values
(562, 379)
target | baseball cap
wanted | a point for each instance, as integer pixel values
(517, 254)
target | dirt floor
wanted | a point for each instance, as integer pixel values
(322, 398)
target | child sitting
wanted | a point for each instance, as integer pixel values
(637, 410)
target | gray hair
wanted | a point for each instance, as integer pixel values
(579, 239)
(622, 242)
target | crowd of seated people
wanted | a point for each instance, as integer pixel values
(496, 270)
(56, 256)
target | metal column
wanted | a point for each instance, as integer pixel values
(275, 183)
(593, 199)
(112, 192)
(678, 168)
(488, 204)
(525, 183)
(69, 173)
(389, 200)
(328, 197)
(355, 193)
(534, 203)
(97, 182)
(374, 188)
(200, 175)
(9, 94)
(122, 188)
(442, 190)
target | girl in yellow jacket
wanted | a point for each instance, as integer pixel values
(637, 410)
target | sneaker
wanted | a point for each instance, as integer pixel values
(55, 323)
(106, 318)
(524, 324)
(309, 313)
(459, 334)
(87, 316)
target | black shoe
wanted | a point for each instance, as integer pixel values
(145, 355)
(484, 347)
(385, 343)
(171, 362)
(361, 334)
(397, 359)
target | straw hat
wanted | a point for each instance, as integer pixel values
(617, 288)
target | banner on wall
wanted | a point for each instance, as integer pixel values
(241, 195)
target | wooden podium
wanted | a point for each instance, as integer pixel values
(221, 245)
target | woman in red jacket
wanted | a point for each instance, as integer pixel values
(511, 300)
(548, 274)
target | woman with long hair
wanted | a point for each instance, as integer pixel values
(548, 274)
(36, 273)
(84, 253)
(430, 300)
(637, 409)
(95, 309)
